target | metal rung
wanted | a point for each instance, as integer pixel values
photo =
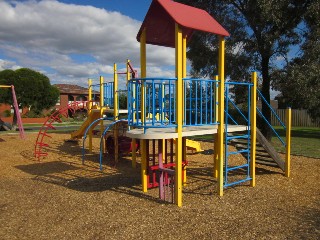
(237, 152)
(45, 134)
(237, 182)
(39, 154)
(237, 167)
(42, 144)
(238, 137)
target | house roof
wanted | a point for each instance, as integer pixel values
(73, 89)
(162, 16)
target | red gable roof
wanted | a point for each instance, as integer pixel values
(162, 16)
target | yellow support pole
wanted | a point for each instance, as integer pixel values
(101, 109)
(143, 65)
(221, 115)
(253, 129)
(216, 139)
(288, 143)
(128, 70)
(184, 75)
(115, 93)
(90, 110)
(144, 172)
(179, 115)
(115, 113)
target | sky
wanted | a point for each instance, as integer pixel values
(70, 41)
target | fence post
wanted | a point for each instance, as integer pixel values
(288, 143)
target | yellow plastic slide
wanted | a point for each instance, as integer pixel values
(192, 145)
(80, 132)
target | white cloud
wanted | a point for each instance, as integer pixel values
(43, 34)
(4, 64)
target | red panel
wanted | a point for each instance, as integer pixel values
(162, 16)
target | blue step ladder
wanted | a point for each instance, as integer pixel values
(238, 172)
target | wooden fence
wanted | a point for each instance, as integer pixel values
(300, 118)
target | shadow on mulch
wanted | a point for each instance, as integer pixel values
(121, 180)
(45, 168)
(310, 222)
(1, 140)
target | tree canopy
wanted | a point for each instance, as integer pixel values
(299, 81)
(33, 89)
(261, 32)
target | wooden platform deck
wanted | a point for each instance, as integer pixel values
(169, 133)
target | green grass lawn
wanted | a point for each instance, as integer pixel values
(304, 141)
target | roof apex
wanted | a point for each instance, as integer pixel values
(163, 14)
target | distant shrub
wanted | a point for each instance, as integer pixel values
(7, 113)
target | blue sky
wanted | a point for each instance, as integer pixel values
(133, 8)
(71, 41)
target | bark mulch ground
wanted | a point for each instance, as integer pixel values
(59, 198)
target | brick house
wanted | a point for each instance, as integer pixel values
(70, 93)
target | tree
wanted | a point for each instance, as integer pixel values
(260, 32)
(299, 81)
(33, 90)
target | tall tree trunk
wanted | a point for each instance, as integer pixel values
(265, 129)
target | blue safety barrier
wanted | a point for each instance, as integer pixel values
(275, 114)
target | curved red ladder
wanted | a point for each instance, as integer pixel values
(47, 125)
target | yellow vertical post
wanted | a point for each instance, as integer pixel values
(143, 66)
(144, 165)
(221, 115)
(184, 75)
(253, 128)
(163, 117)
(179, 116)
(216, 139)
(115, 113)
(128, 70)
(288, 142)
(90, 111)
(115, 93)
(102, 109)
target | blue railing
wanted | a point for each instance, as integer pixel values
(275, 114)
(199, 102)
(160, 102)
(108, 94)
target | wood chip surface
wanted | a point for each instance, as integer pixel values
(59, 198)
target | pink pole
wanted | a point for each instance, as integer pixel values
(16, 107)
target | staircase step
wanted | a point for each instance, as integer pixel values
(270, 149)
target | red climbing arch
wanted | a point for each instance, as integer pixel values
(47, 125)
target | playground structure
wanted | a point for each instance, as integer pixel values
(163, 112)
(16, 108)
(189, 107)
(108, 103)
